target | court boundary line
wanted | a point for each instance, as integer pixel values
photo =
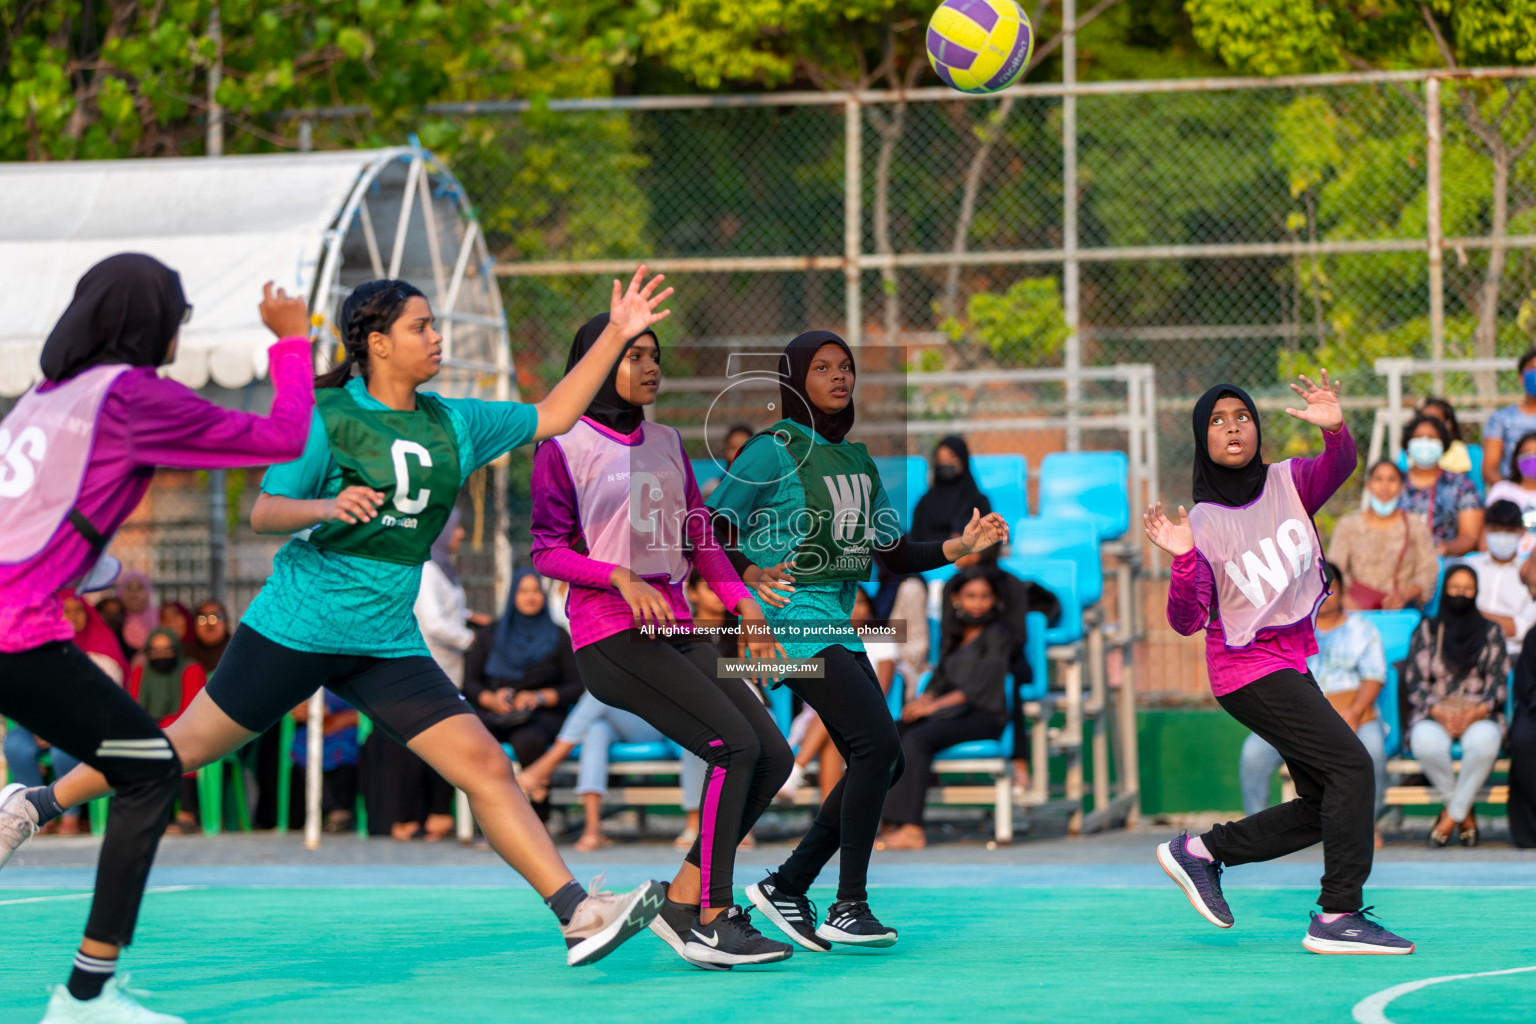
(1373, 1008)
(91, 892)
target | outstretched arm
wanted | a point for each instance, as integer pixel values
(630, 314)
(1318, 477)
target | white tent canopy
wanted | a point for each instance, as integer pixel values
(314, 223)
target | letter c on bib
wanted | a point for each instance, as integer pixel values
(397, 453)
(18, 474)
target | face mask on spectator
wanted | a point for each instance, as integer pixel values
(1459, 604)
(1528, 378)
(1502, 546)
(1425, 452)
(1384, 508)
(1527, 464)
(949, 474)
(163, 664)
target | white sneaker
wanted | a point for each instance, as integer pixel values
(604, 920)
(113, 1006)
(786, 794)
(18, 820)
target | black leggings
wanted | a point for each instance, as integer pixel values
(921, 740)
(853, 709)
(58, 693)
(1335, 788)
(673, 685)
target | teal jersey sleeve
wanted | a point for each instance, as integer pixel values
(494, 428)
(306, 476)
(886, 519)
(750, 482)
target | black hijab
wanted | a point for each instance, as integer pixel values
(1465, 633)
(126, 309)
(945, 509)
(1220, 484)
(607, 407)
(797, 404)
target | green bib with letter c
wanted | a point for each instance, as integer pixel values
(412, 458)
(839, 482)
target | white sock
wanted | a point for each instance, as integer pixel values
(795, 781)
(1196, 846)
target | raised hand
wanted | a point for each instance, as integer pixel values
(284, 314)
(1174, 537)
(633, 310)
(1323, 409)
(983, 531)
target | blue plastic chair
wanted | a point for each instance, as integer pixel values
(1059, 576)
(905, 479)
(1004, 479)
(656, 750)
(1396, 629)
(1432, 607)
(1088, 484)
(1475, 452)
(705, 470)
(1072, 539)
(1002, 747)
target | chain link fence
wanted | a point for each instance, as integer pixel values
(1220, 230)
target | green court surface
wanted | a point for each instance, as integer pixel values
(345, 955)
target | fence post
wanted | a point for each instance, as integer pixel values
(1435, 241)
(853, 221)
(218, 514)
(1070, 287)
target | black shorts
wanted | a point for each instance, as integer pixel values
(258, 681)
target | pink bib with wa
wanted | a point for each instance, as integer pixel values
(45, 445)
(1265, 557)
(630, 497)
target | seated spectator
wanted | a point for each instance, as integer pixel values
(1502, 596)
(945, 509)
(1506, 425)
(1387, 554)
(338, 764)
(1448, 501)
(965, 700)
(1522, 754)
(1349, 667)
(810, 738)
(95, 637)
(140, 615)
(1455, 682)
(114, 614)
(440, 604)
(164, 683)
(1520, 488)
(594, 727)
(1457, 457)
(520, 675)
(902, 601)
(210, 635)
(176, 617)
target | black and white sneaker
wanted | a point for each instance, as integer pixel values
(851, 923)
(794, 915)
(730, 941)
(672, 926)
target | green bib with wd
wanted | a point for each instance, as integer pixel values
(839, 482)
(412, 458)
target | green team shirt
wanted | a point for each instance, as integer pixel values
(763, 493)
(327, 602)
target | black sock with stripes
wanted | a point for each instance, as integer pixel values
(44, 803)
(90, 975)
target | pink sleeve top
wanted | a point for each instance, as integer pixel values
(148, 421)
(1192, 587)
(595, 607)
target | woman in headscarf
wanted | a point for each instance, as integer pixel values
(385, 460)
(164, 681)
(177, 618)
(106, 420)
(141, 616)
(210, 635)
(803, 513)
(618, 515)
(1248, 570)
(1456, 680)
(945, 508)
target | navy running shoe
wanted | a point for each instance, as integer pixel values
(1354, 934)
(730, 940)
(1199, 878)
(852, 923)
(672, 926)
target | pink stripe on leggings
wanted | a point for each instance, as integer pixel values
(707, 816)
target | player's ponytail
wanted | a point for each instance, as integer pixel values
(373, 306)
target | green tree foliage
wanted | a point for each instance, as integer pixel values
(1024, 325)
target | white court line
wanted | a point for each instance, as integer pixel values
(1372, 1009)
(88, 895)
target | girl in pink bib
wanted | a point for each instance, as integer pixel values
(1248, 569)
